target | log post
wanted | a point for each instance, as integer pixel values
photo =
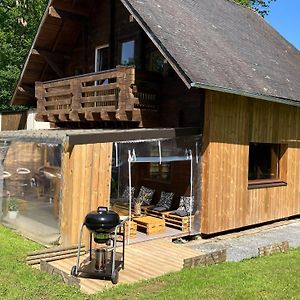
(130, 86)
(121, 81)
(40, 97)
(75, 85)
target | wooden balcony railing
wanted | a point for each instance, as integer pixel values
(107, 95)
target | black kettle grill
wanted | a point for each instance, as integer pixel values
(105, 226)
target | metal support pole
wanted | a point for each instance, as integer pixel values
(130, 195)
(79, 246)
(191, 189)
(159, 151)
(91, 241)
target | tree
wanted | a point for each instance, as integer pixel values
(261, 6)
(19, 20)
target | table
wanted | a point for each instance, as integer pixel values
(149, 224)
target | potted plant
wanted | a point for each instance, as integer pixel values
(145, 197)
(12, 207)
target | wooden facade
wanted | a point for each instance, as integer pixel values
(156, 91)
(13, 120)
(86, 182)
(69, 93)
(231, 123)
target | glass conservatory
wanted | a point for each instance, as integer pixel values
(168, 171)
(30, 188)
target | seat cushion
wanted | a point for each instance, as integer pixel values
(165, 200)
(159, 208)
(125, 195)
(186, 206)
(145, 195)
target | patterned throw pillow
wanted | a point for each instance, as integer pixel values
(125, 195)
(186, 205)
(146, 195)
(165, 200)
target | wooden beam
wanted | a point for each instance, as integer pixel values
(53, 48)
(26, 90)
(60, 14)
(49, 58)
(56, 55)
(79, 11)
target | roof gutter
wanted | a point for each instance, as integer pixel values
(245, 94)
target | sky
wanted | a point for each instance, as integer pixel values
(284, 16)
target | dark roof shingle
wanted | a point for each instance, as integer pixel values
(217, 43)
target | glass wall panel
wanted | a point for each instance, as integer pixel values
(30, 189)
(170, 175)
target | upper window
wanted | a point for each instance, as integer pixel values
(102, 58)
(127, 53)
(156, 62)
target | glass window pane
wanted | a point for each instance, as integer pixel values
(156, 62)
(263, 161)
(127, 53)
(102, 59)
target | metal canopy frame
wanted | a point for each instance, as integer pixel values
(132, 159)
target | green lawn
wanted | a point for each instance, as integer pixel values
(276, 277)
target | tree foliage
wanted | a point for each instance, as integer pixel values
(19, 20)
(261, 6)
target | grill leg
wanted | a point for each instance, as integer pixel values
(91, 241)
(79, 246)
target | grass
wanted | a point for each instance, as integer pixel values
(276, 277)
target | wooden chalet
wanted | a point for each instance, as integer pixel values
(211, 65)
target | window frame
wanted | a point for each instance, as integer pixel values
(96, 56)
(281, 178)
(160, 172)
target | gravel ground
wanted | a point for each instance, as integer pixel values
(246, 246)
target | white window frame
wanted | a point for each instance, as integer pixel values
(96, 54)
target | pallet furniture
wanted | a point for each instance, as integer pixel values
(178, 222)
(150, 225)
(171, 220)
(131, 229)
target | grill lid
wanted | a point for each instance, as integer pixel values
(102, 220)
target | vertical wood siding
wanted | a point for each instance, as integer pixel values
(231, 122)
(86, 185)
(13, 121)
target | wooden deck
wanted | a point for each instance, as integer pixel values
(142, 261)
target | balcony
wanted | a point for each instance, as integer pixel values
(112, 95)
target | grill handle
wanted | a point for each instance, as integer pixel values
(101, 208)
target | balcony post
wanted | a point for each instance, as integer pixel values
(125, 80)
(40, 97)
(130, 82)
(121, 81)
(75, 86)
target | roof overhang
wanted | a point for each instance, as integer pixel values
(244, 93)
(94, 136)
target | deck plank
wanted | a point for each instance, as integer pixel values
(143, 260)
